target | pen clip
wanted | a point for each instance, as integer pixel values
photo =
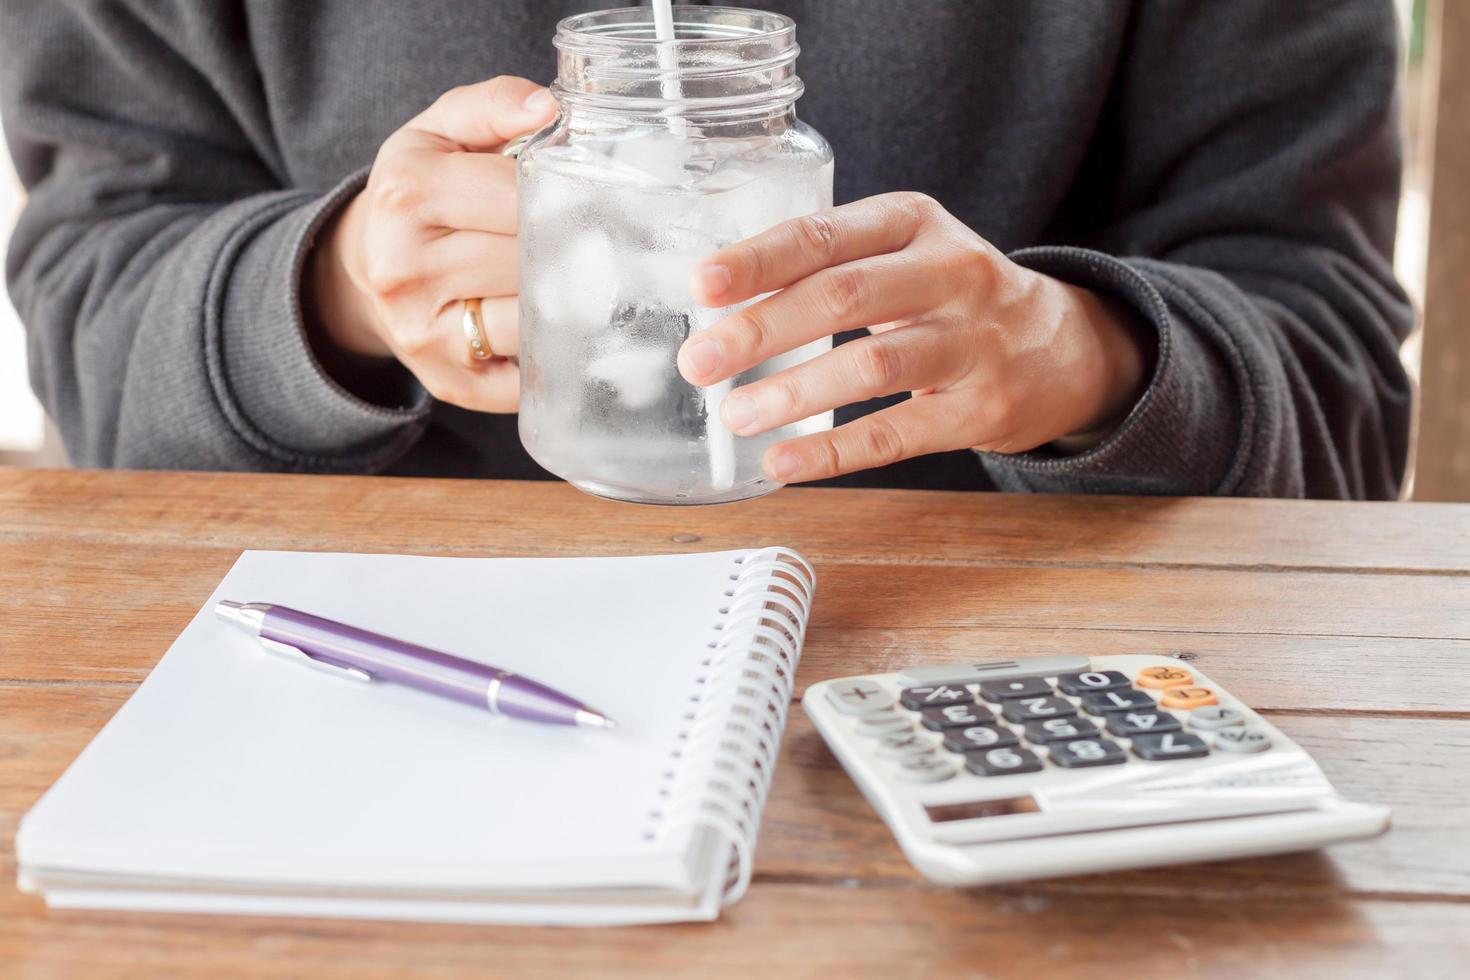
(301, 656)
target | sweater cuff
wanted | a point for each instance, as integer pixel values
(280, 399)
(1172, 441)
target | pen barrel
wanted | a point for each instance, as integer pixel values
(411, 665)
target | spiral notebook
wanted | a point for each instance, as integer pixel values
(235, 781)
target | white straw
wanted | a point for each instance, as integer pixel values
(720, 439)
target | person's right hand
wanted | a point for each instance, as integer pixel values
(435, 225)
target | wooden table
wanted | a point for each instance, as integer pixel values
(1349, 624)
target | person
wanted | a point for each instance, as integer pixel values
(1097, 247)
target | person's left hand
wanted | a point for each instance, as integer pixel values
(997, 357)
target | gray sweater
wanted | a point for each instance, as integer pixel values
(1230, 169)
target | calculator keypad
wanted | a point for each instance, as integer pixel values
(1077, 719)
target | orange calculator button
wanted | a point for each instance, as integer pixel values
(1188, 697)
(1157, 677)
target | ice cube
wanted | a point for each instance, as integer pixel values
(639, 375)
(579, 287)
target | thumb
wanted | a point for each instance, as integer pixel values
(486, 115)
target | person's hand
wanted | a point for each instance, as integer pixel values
(997, 357)
(436, 225)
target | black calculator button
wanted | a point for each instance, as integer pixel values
(1092, 680)
(1169, 745)
(1030, 709)
(1083, 752)
(956, 716)
(930, 696)
(1059, 730)
(1106, 702)
(1020, 687)
(1002, 762)
(978, 737)
(1129, 723)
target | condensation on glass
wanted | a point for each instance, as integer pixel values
(662, 153)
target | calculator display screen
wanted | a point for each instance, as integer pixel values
(982, 808)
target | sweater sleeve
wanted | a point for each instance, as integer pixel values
(1254, 184)
(157, 262)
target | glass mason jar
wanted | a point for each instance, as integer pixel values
(663, 152)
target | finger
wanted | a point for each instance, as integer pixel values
(465, 264)
(486, 115)
(794, 250)
(915, 357)
(501, 318)
(932, 424)
(452, 374)
(844, 297)
(471, 191)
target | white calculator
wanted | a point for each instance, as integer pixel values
(1059, 765)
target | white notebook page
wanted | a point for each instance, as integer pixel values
(231, 763)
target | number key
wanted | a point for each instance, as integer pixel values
(1083, 752)
(1059, 730)
(1092, 680)
(1002, 762)
(956, 716)
(1106, 702)
(1126, 724)
(978, 737)
(1030, 709)
(1169, 745)
(915, 698)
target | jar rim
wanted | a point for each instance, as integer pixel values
(607, 27)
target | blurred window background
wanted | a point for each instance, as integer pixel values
(25, 438)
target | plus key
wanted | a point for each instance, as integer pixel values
(858, 697)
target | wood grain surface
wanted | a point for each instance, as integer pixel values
(1348, 623)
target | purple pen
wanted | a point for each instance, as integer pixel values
(367, 656)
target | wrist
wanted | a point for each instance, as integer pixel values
(1121, 347)
(338, 313)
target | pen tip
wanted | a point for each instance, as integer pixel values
(594, 719)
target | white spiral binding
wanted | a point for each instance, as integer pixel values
(737, 738)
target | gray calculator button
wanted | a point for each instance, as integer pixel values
(993, 670)
(1242, 739)
(956, 716)
(1214, 716)
(978, 737)
(926, 768)
(880, 723)
(1019, 687)
(934, 695)
(900, 744)
(1169, 745)
(1107, 702)
(1130, 723)
(857, 697)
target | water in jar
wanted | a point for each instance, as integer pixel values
(611, 227)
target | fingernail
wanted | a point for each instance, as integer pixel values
(714, 279)
(739, 412)
(704, 356)
(539, 101)
(785, 467)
